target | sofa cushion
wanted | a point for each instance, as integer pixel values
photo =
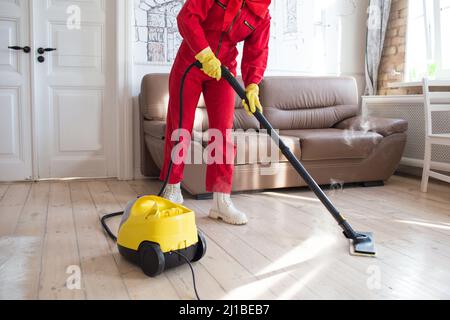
(322, 118)
(154, 97)
(289, 93)
(334, 144)
(243, 121)
(246, 141)
(293, 103)
(155, 129)
(383, 126)
(247, 153)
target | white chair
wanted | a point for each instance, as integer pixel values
(434, 102)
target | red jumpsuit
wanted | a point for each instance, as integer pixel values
(204, 23)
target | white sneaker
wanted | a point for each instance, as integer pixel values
(224, 209)
(173, 193)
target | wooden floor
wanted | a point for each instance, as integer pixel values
(291, 249)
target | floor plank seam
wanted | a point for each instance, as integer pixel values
(42, 246)
(112, 253)
(77, 242)
(5, 192)
(108, 240)
(44, 240)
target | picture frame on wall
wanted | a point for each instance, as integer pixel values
(156, 33)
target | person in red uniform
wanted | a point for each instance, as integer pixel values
(211, 30)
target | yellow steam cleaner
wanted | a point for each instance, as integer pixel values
(158, 234)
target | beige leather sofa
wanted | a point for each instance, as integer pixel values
(317, 117)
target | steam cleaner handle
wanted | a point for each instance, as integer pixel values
(265, 124)
(228, 76)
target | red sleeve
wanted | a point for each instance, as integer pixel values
(193, 13)
(256, 53)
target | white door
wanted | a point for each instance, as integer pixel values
(74, 95)
(15, 111)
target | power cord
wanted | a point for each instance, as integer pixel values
(192, 271)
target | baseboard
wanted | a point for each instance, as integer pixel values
(418, 163)
(139, 176)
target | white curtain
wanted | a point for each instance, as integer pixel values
(378, 19)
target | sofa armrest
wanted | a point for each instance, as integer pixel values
(383, 126)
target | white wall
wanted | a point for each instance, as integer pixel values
(345, 52)
(353, 43)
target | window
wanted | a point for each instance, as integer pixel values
(428, 41)
(445, 34)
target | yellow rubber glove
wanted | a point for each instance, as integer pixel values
(211, 65)
(253, 98)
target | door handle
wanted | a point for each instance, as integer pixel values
(24, 49)
(44, 50)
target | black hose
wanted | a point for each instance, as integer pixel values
(180, 124)
(105, 226)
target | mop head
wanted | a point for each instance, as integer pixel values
(363, 246)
